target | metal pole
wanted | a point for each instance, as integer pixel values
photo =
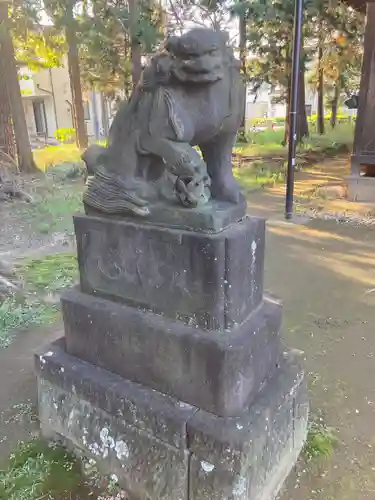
(293, 107)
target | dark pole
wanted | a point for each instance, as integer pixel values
(296, 63)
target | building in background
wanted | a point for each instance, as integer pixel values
(47, 101)
(264, 104)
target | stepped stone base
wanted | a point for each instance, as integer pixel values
(164, 449)
(220, 373)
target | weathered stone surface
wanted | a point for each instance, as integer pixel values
(191, 94)
(219, 372)
(126, 451)
(164, 449)
(133, 432)
(250, 457)
(212, 281)
(162, 416)
(213, 217)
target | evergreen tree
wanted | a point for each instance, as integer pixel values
(7, 138)
(339, 45)
(11, 90)
(65, 17)
(342, 54)
(269, 36)
(113, 40)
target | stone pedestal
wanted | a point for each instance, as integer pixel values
(172, 373)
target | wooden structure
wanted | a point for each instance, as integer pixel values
(361, 182)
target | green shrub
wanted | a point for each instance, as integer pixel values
(340, 118)
(321, 441)
(267, 122)
(65, 134)
(279, 121)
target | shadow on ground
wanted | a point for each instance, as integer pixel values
(319, 189)
(325, 274)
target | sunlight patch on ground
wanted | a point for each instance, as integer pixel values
(309, 234)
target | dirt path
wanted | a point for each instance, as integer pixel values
(325, 274)
(18, 387)
(316, 190)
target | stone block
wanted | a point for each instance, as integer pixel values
(212, 281)
(138, 405)
(133, 432)
(249, 458)
(213, 217)
(161, 448)
(219, 372)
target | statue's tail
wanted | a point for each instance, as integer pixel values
(108, 194)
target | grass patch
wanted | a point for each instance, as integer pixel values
(259, 174)
(255, 174)
(269, 142)
(321, 441)
(339, 140)
(16, 313)
(52, 210)
(37, 471)
(51, 273)
(54, 155)
(48, 157)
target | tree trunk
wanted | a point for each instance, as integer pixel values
(335, 104)
(163, 18)
(136, 62)
(7, 139)
(136, 50)
(242, 42)
(320, 120)
(128, 80)
(243, 59)
(25, 156)
(302, 124)
(75, 81)
(104, 106)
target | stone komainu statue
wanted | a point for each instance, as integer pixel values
(190, 95)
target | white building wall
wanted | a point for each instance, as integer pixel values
(29, 115)
(50, 116)
(94, 125)
(262, 104)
